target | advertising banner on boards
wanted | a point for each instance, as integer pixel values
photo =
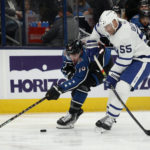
(27, 74)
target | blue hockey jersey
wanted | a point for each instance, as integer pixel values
(136, 20)
(144, 29)
(81, 72)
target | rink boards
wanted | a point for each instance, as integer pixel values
(26, 75)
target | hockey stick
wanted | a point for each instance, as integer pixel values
(19, 114)
(119, 98)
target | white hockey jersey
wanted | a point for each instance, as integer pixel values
(129, 43)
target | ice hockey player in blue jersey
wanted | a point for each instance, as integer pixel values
(82, 75)
(142, 19)
(143, 5)
(131, 66)
(143, 22)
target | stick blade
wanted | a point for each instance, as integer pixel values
(147, 132)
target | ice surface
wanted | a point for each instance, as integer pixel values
(24, 133)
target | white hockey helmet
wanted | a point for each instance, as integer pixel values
(107, 17)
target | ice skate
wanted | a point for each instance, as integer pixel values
(105, 123)
(68, 121)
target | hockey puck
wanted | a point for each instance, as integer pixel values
(43, 130)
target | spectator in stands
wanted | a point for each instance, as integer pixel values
(142, 19)
(144, 23)
(13, 17)
(120, 3)
(117, 9)
(27, 7)
(31, 16)
(143, 5)
(85, 14)
(55, 37)
(48, 10)
(133, 7)
(12, 9)
(83, 7)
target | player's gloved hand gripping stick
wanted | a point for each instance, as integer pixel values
(147, 132)
(52, 94)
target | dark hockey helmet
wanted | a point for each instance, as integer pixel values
(117, 9)
(144, 13)
(74, 47)
(144, 3)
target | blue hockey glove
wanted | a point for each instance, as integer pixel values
(92, 48)
(111, 80)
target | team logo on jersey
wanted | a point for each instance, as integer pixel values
(82, 69)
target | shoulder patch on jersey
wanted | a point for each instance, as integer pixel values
(133, 27)
(83, 68)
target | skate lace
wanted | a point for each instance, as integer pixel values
(108, 120)
(67, 117)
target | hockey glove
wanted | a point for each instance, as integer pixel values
(69, 75)
(53, 93)
(111, 80)
(68, 70)
(92, 48)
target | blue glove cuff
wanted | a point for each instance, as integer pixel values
(110, 81)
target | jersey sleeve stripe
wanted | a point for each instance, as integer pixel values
(91, 41)
(144, 56)
(121, 64)
(115, 72)
(125, 58)
(98, 32)
(91, 45)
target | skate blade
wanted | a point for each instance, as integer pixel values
(100, 130)
(65, 127)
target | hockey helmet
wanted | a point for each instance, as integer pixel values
(74, 47)
(144, 3)
(117, 9)
(107, 18)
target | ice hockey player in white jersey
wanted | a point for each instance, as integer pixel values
(131, 66)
